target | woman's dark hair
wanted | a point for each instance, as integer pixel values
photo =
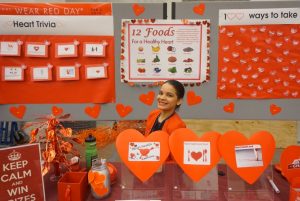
(179, 88)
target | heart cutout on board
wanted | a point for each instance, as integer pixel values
(147, 98)
(192, 98)
(36, 48)
(248, 158)
(229, 107)
(274, 109)
(18, 111)
(195, 155)
(123, 110)
(289, 162)
(138, 9)
(57, 111)
(142, 168)
(93, 111)
(199, 9)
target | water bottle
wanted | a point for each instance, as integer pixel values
(90, 151)
(99, 178)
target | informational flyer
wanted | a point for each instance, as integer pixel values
(259, 51)
(158, 50)
(20, 173)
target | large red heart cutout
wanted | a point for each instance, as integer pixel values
(192, 98)
(93, 111)
(147, 98)
(123, 110)
(199, 9)
(57, 111)
(138, 9)
(290, 162)
(18, 111)
(130, 138)
(195, 155)
(247, 157)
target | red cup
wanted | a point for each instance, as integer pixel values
(72, 186)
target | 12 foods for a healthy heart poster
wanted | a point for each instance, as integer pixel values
(259, 53)
(158, 50)
(56, 53)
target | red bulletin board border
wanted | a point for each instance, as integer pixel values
(77, 91)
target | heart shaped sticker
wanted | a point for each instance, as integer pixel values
(93, 111)
(147, 98)
(199, 9)
(18, 112)
(274, 109)
(123, 110)
(56, 111)
(195, 155)
(142, 155)
(192, 98)
(229, 107)
(247, 157)
(138, 9)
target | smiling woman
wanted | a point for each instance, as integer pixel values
(165, 118)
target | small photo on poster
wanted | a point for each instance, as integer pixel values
(248, 156)
(36, 50)
(96, 71)
(10, 48)
(41, 73)
(144, 151)
(196, 153)
(65, 50)
(68, 73)
(13, 73)
(94, 49)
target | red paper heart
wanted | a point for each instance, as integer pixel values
(229, 108)
(57, 110)
(122, 110)
(36, 48)
(93, 111)
(240, 155)
(18, 111)
(289, 162)
(274, 109)
(177, 143)
(199, 9)
(196, 155)
(66, 48)
(142, 169)
(138, 9)
(147, 98)
(192, 98)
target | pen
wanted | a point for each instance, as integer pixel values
(273, 185)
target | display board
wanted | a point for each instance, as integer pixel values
(200, 102)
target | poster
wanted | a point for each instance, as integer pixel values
(259, 51)
(18, 171)
(158, 50)
(35, 35)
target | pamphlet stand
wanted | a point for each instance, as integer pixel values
(155, 188)
(185, 188)
(239, 190)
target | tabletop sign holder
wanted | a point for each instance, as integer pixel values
(238, 189)
(186, 189)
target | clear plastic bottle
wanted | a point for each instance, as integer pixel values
(100, 182)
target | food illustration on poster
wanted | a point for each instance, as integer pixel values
(259, 53)
(157, 50)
